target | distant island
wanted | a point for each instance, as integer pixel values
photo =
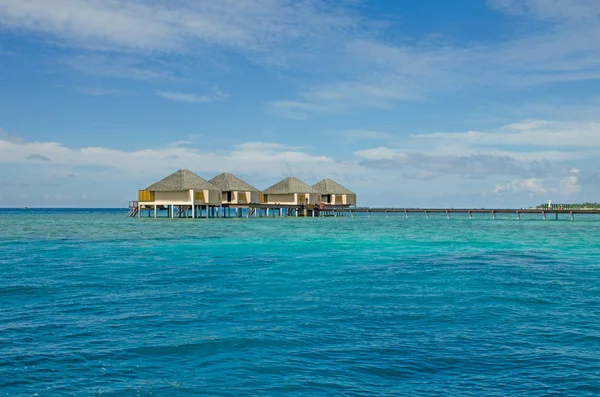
(581, 206)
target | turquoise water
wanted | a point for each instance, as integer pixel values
(94, 303)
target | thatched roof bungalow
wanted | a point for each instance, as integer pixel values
(333, 193)
(235, 190)
(290, 191)
(182, 187)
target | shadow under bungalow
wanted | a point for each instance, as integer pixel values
(185, 194)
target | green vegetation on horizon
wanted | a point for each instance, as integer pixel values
(583, 206)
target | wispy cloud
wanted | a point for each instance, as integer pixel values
(37, 157)
(269, 161)
(562, 49)
(360, 135)
(117, 66)
(102, 91)
(252, 27)
(526, 134)
(349, 57)
(192, 98)
(523, 158)
(427, 165)
(341, 97)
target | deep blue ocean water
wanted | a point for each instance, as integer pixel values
(95, 303)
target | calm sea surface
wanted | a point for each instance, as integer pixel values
(95, 303)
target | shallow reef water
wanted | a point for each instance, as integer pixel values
(95, 303)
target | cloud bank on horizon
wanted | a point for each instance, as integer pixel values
(490, 103)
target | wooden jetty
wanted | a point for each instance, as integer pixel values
(470, 211)
(184, 194)
(280, 210)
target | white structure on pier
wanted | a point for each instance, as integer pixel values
(333, 193)
(234, 190)
(290, 191)
(182, 189)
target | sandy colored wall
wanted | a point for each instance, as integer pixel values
(349, 199)
(255, 197)
(183, 197)
(242, 197)
(210, 197)
(281, 199)
(292, 199)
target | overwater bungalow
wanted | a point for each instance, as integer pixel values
(290, 191)
(182, 189)
(333, 193)
(235, 190)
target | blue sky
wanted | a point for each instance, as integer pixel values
(409, 103)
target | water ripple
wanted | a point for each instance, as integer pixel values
(93, 303)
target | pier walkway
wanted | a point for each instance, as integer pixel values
(281, 210)
(470, 211)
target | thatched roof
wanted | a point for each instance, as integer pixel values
(328, 186)
(229, 183)
(182, 180)
(290, 185)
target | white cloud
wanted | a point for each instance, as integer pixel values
(119, 67)
(531, 185)
(350, 64)
(563, 49)
(525, 134)
(566, 187)
(267, 159)
(252, 26)
(570, 185)
(550, 9)
(380, 153)
(381, 175)
(365, 135)
(344, 96)
(294, 110)
(101, 91)
(517, 152)
(187, 97)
